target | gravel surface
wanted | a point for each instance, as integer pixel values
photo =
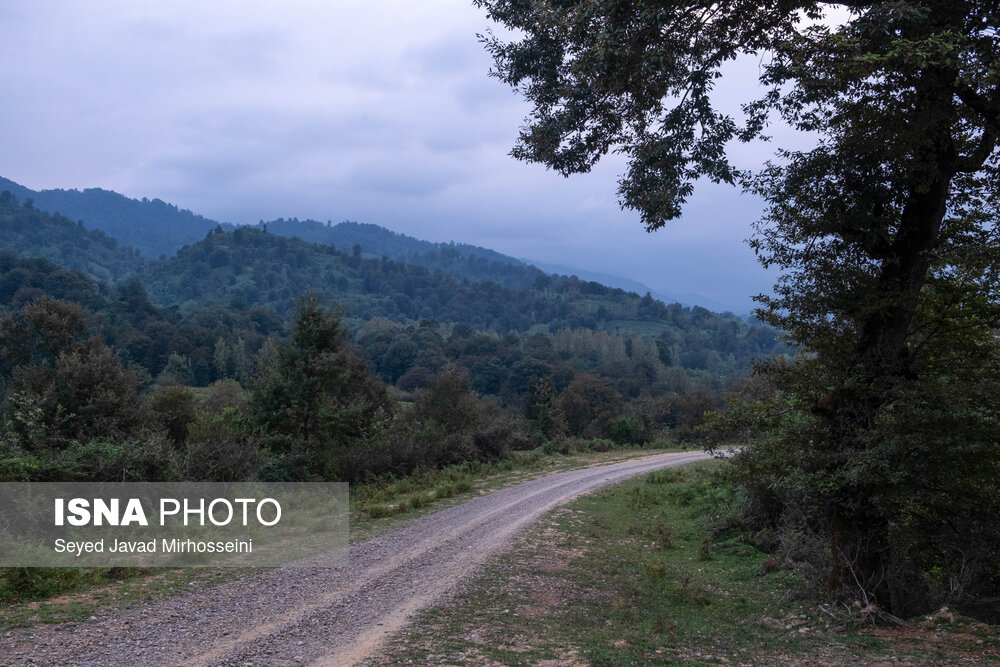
(319, 616)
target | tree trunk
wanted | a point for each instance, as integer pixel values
(882, 356)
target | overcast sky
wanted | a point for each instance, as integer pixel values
(378, 111)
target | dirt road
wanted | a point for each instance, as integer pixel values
(320, 616)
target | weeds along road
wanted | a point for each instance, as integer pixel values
(320, 616)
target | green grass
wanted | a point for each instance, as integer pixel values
(91, 591)
(652, 572)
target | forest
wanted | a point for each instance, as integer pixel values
(250, 355)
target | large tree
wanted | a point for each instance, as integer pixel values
(886, 232)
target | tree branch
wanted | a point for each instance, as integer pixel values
(988, 108)
(975, 160)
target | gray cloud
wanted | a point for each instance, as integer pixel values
(379, 111)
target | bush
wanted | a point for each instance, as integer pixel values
(222, 448)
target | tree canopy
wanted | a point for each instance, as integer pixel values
(885, 230)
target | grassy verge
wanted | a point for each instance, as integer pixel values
(384, 504)
(96, 590)
(55, 595)
(646, 573)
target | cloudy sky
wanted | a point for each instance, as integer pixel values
(378, 111)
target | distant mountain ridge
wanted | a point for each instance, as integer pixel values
(387, 242)
(31, 232)
(461, 260)
(151, 226)
(157, 228)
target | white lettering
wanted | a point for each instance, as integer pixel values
(277, 511)
(211, 511)
(163, 508)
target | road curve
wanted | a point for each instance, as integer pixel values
(320, 616)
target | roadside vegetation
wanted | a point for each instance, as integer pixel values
(653, 571)
(92, 392)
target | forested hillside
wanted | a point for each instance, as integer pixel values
(151, 226)
(88, 363)
(29, 232)
(196, 367)
(461, 260)
(252, 267)
(99, 382)
(156, 229)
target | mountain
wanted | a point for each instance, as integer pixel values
(153, 227)
(157, 228)
(380, 240)
(29, 232)
(250, 267)
(464, 261)
(255, 267)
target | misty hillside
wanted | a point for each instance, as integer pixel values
(157, 228)
(29, 232)
(251, 267)
(152, 226)
(461, 260)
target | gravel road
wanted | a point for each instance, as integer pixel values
(319, 616)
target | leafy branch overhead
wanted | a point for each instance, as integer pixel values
(637, 78)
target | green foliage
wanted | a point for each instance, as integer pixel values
(143, 336)
(895, 292)
(590, 404)
(451, 424)
(222, 447)
(377, 511)
(33, 233)
(920, 488)
(173, 408)
(39, 332)
(61, 389)
(449, 404)
(544, 410)
(316, 391)
(24, 584)
(880, 438)
(137, 459)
